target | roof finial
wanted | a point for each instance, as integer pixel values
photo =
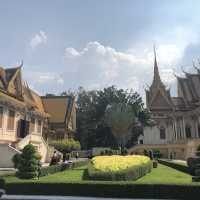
(156, 72)
(21, 64)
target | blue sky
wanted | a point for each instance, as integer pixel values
(90, 43)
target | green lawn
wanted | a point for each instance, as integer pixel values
(160, 175)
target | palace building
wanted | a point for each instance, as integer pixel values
(25, 117)
(175, 124)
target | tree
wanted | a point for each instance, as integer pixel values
(66, 146)
(121, 119)
(27, 162)
(91, 129)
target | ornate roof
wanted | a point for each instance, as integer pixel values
(158, 97)
(14, 92)
(60, 108)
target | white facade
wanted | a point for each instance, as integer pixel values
(11, 137)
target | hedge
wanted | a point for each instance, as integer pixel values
(2, 183)
(132, 173)
(61, 167)
(176, 166)
(126, 190)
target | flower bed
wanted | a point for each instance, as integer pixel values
(119, 167)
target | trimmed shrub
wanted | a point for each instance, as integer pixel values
(105, 189)
(16, 160)
(2, 183)
(118, 167)
(176, 166)
(61, 167)
(27, 162)
(155, 163)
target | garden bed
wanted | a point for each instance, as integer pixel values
(119, 167)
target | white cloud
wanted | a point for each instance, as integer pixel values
(98, 66)
(45, 78)
(38, 39)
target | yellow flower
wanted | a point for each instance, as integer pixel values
(118, 163)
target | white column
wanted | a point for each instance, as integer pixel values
(176, 131)
(184, 135)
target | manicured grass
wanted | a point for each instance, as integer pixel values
(166, 175)
(160, 175)
(72, 175)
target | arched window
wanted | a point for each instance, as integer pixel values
(162, 133)
(188, 131)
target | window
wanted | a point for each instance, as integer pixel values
(162, 133)
(1, 117)
(188, 131)
(11, 120)
(32, 125)
(39, 126)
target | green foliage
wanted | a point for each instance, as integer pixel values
(66, 145)
(198, 151)
(155, 163)
(92, 189)
(16, 160)
(61, 167)
(156, 153)
(2, 183)
(176, 166)
(120, 118)
(91, 129)
(118, 168)
(27, 162)
(162, 183)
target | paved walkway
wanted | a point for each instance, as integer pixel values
(12, 197)
(183, 162)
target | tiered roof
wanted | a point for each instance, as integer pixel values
(18, 94)
(158, 97)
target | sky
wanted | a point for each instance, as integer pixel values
(65, 44)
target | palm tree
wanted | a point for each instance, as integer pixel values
(121, 119)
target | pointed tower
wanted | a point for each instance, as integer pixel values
(157, 96)
(156, 77)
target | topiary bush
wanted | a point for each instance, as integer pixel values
(27, 162)
(16, 160)
(118, 168)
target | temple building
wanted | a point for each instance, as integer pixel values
(62, 120)
(22, 116)
(175, 121)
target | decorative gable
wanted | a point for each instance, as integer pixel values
(15, 84)
(160, 101)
